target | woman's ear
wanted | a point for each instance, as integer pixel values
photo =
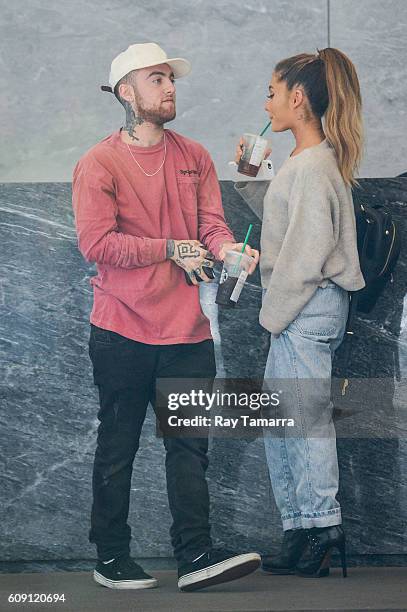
(298, 97)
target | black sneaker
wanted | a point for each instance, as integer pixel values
(123, 573)
(214, 567)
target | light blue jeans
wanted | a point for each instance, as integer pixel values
(303, 465)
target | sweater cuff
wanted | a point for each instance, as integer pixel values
(272, 324)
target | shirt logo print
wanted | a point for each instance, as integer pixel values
(189, 172)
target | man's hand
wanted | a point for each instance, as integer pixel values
(237, 246)
(191, 256)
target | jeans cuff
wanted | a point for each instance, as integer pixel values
(327, 519)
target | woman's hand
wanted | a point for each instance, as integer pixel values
(239, 151)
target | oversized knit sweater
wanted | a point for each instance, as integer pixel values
(308, 234)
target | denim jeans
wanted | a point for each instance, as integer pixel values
(304, 466)
(125, 372)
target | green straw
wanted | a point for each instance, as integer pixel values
(246, 240)
(243, 248)
(266, 128)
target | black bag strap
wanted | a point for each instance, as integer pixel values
(354, 299)
(349, 333)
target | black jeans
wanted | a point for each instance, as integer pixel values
(125, 372)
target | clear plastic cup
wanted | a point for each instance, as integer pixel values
(254, 149)
(234, 273)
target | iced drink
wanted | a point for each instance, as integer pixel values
(235, 270)
(253, 150)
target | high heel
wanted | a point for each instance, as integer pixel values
(294, 543)
(342, 550)
(321, 542)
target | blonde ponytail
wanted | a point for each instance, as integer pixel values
(343, 117)
(332, 87)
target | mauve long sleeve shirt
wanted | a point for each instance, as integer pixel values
(123, 219)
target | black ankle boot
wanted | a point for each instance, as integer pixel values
(317, 557)
(294, 542)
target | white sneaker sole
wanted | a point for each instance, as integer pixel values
(150, 583)
(225, 571)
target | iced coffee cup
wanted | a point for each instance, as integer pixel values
(253, 151)
(234, 273)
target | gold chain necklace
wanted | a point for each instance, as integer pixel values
(161, 165)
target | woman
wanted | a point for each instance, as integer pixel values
(309, 262)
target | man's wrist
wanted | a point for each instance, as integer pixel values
(170, 249)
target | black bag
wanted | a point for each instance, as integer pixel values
(379, 243)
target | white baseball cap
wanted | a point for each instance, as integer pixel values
(143, 55)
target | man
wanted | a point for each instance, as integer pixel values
(148, 211)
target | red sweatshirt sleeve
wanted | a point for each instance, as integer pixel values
(212, 228)
(95, 210)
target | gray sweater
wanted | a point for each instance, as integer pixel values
(308, 233)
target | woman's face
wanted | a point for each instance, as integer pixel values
(279, 105)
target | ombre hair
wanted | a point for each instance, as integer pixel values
(331, 85)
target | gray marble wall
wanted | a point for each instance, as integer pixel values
(49, 404)
(372, 32)
(54, 56)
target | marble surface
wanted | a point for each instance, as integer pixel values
(53, 110)
(372, 33)
(49, 405)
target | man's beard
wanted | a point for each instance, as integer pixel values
(157, 116)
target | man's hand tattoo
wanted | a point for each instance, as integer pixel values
(170, 249)
(185, 249)
(180, 263)
(195, 260)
